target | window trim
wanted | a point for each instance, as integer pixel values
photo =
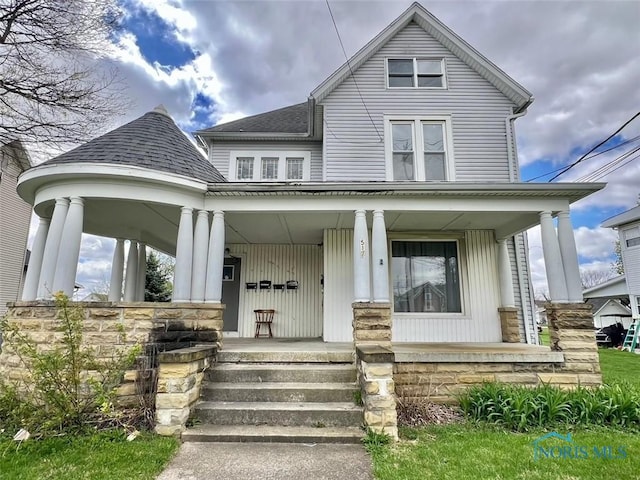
(459, 239)
(631, 234)
(418, 147)
(258, 155)
(443, 69)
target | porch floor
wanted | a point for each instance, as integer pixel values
(404, 352)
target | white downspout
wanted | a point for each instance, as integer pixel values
(512, 154)
(514, 175)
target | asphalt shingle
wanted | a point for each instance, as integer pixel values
(292, 119)
(151, 141)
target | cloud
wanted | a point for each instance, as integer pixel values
(595, 248)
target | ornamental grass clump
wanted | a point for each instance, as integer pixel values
(522, 408)
(67, 388)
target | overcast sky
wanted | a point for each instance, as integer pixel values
(214, 61)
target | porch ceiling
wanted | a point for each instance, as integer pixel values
(307, 227)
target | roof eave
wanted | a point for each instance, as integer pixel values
(572, 191)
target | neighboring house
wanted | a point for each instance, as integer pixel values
(608, 311)
(610, 301)
(15, 216)
(399, 169)
(628, 226)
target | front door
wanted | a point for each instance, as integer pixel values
(231, 292)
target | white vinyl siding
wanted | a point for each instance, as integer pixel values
(15, 215)
(338, 285)
(631, 257)
(479, 323)
(298, 312)
(355, 151)
(220, 153)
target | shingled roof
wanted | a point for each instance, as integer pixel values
(151, 141)
(292, 119)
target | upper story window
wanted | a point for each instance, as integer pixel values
(415, 73)
(419, 149)
(253, 166)
(632, 236)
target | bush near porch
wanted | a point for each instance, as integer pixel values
(480, 451)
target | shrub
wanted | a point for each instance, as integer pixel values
(521, 408)
(68, 388)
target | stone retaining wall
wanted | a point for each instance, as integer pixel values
(180, 375)
(375, 377)
(108, 326)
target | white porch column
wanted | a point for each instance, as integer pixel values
(361, 275)
(184, 257)
(30, 289)
(507, 298)
(131, 280)
(51, 248)
(215, 263)
(552, 259)
(141, 271)
(200, 253)
(379, 258)
(67, 264)
(117, 272)
(569, 255)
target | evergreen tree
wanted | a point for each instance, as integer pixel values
(157, 287)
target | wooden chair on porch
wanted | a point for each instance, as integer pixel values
(264, 317)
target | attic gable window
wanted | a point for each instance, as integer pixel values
(257, 166)
(415, 73)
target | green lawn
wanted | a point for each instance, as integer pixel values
(103, 457)
(459, 452)
(466, 451)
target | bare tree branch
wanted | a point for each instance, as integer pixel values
(51, 92)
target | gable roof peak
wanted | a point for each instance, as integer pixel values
(448, 38)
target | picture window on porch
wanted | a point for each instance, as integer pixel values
(425, 276)
(419, 149)
(270, 166)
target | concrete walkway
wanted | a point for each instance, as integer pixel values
(268, 461)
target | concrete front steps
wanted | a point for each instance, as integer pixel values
(273, 401)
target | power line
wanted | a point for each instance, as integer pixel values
(598, 145)
(631, 140)
(351, 70)
(608, 167)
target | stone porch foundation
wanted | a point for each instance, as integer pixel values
(109, 326)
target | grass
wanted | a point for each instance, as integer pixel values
(473, 451)
(101, 456)
(618, 366)
(544, 336)
(460, 452)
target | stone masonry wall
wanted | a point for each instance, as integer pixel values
(180, 375)
(375, 377)
(372, 323)
(571, 331)
(109, 326)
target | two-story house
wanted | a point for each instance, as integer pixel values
(396, 183)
